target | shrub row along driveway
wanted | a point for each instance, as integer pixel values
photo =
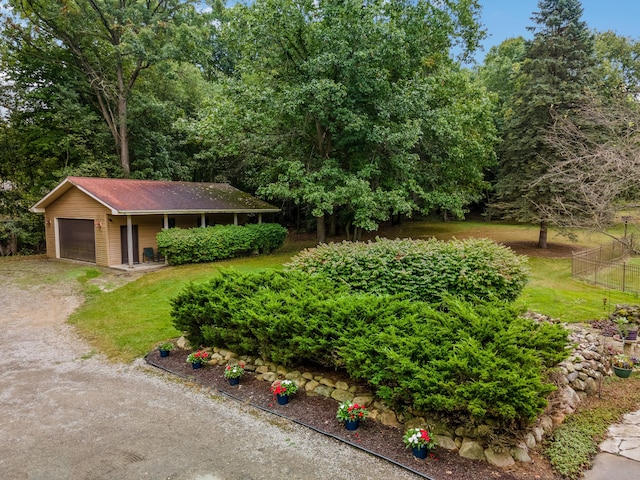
(68, 414)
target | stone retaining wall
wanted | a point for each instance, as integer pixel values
(577, 377)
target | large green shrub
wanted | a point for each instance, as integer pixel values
(198, 245)
(271, 314)
(484, 361)
(423, 269)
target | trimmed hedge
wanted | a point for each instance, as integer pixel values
(422, 269)
(484, 361)
(199, 245)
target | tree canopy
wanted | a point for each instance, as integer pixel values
(110, 42)
(364, 112)
(345, 113)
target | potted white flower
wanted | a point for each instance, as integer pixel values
(419, 440)
(282, 389)
(233, 373)
(351, 414)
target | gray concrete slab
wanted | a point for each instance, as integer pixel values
(613, 467)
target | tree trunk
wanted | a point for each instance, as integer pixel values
(542, 239)
(124, 138)
(321, 234)
(123, 132)
(332, 225)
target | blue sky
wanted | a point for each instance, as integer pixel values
(510, 18)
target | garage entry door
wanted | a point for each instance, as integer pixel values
(77, 239)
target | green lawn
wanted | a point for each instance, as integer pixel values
(553, 292)
(128, 322)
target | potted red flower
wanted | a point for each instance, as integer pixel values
(351, 414)
(420, 441)
(196, 359)
(282, 389)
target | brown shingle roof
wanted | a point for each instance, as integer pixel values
(150, 196)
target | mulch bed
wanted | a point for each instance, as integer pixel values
(319, 413)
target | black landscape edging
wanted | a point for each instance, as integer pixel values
(310, 427)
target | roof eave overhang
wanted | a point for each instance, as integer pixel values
(51, 196)
(195, 211)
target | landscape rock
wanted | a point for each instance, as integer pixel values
(558, 418)
(538, 433)
(499, 459)
(530, 440)
(323, 390)
(415, 422)
(269, 376)
(342, 385)
(388, 418)
(546, 423)
(521, 455)
(445, 442)
(590, 386)
(295, 375)
(472, 449)
(328, 382)
(311, 385)
(365, 400)
(342, 395)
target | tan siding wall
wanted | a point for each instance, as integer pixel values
(115, 253)
(148, 227)
(75, 204)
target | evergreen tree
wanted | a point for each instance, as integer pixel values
(555, 76)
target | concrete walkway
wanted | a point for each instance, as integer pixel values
(620, 452)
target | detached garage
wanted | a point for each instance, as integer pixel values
(111, 222)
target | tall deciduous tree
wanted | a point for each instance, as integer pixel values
(365, 114)
(499, 74)
(618, 60)
(555, 75)
(599, 167)
(110, 41)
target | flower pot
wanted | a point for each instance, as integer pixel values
(622, 372)
(164, 353)
(632, 335)
(282, 399)
(234, 381)
(196, 365)
(419, 452)
(351, 424)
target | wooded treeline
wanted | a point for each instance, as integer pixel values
(345, 113)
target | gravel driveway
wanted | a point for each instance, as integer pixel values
(66, 413)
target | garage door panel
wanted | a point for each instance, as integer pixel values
(77, 239)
